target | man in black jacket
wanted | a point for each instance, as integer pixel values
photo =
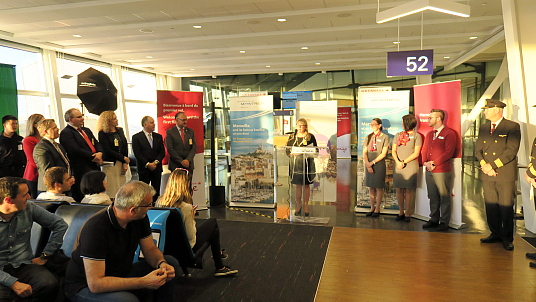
(83, 149)
(148, 147)
(12, 157)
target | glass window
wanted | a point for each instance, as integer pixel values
(29, 68)
(139, 86)
(68, 71)
(135, 112)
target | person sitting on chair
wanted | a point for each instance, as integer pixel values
(177, 195)
(57, 180)
(94, 187)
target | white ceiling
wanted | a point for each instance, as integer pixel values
(339, 34)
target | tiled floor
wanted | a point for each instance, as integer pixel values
(342, 215)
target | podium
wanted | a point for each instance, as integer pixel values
(302, 175)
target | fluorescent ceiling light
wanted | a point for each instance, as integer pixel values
(442, 6)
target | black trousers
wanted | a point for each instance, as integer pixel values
(44, 285)
(208, 231)
(152, 178)
(499, 198)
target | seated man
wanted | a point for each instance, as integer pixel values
(57, 180)
(21, 275)
(101, 267)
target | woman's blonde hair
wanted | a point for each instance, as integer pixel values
(308, 135)
(31, 124)
(177, 190)
(104, 121)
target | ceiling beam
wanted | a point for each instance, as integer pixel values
(478, 48)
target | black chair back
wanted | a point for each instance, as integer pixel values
(39, 237)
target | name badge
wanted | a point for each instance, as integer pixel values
(190, 141)
(502, 135)
(116, 142)
(19, 147)
(440, 137)
(378, 140)
(93, 141)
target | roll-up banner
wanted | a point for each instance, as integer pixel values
(252, 152)
(344, 132)
(191, 103)
(390, 107)
(447, 97)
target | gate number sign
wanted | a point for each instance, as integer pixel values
(410, 63)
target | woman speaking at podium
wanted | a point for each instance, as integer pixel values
(302, 167)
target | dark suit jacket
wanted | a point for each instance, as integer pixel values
(178, 151)
(46, 156)
(78, 151)
(111, 152)
(145, 154)
(499, 149)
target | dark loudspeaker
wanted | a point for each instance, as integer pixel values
(277, 99)
(217, 196)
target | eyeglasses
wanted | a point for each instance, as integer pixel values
(81, 116)
(374, 124)
(301, 125)
(187, 171)
(151, 205)
(182, 119)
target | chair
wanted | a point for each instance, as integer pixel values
(75, 215)
(177, 243)
(39, 236)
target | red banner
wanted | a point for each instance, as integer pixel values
(445, 96)
(191, 103)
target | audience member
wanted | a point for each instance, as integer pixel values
(48, 153)
(12, 158)
(148, 147)
(83, 150)
(406, 149)
(437, 153)
(102, 268)
(94, 186)
(57, 180)
(375, 149)
(177, 195)
(181, 145)
(28, 145)
(115, 150)
(496, 150)
(21, 275)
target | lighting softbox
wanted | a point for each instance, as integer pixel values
(96, 91)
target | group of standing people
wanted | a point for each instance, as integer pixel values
(496, 150)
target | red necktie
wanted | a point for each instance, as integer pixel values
(88, 142)
(182, 135)
(492, 129)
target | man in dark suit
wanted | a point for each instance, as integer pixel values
(181, 146)
(48, 153)
(496, 150)
(148, 147)
(12, 157)
(83, 149)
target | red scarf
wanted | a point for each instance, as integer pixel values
(403, 138)
(373, 146)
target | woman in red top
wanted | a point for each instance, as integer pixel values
(28, 145)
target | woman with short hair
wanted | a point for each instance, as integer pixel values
(93, 186)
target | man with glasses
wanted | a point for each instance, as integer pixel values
(83, 149)
(12, 157)
(181, 145)
(496, 150)
(21, 275)
(437, 152)
(102, 268)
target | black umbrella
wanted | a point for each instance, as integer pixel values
(96, 91)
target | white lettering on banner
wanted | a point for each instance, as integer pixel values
(86, 84)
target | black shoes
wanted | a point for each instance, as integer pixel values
(430, 224)
(531, 256)
(509, 246)
(375, 214)
(370, 213)
(442, 227)
(407, 219)
(491, 239)
(399, 217)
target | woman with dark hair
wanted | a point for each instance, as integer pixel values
(302, 168)
(406, 149)
(375, 149)
(93, 186)
(28, 145)
(177, 195)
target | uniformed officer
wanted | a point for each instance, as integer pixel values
(496, 150)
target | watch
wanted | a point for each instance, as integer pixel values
(45, 256)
